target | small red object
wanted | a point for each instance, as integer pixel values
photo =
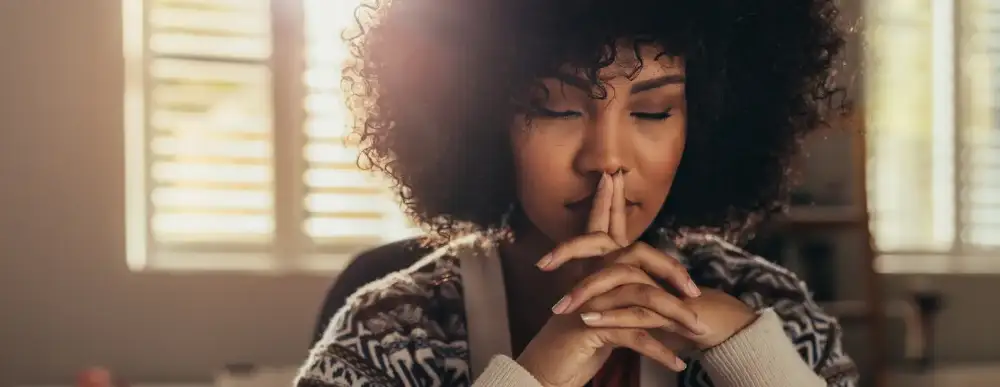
(94, 377)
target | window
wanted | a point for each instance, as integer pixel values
(237, 154)
(933, 83)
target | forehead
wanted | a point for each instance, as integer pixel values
(641, 62)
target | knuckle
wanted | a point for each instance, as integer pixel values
(625, 256)
(675, 265)
(607, 243)
(668, 325)
(679, 308)
(602, 240)
(596, 338)
(640, 313)
(640, 337)
(637, 247)
(645, 250)
(645, 294)
(630, 254)
(619, 293)
(629, 270)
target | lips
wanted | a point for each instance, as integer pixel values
(584, 204)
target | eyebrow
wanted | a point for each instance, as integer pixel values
(636, 88)
(656, 83)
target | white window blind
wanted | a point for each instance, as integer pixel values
(931, 73)
(338, 199)
(980, 137)
(237, 156)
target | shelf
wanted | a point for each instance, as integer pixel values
(821, 216)
(825, 214)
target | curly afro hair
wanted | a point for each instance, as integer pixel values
(434, 86)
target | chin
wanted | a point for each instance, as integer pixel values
(559, 232)
(563, 234)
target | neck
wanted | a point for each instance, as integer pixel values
(530, 291)
(519, 257)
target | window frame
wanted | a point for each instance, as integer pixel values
(949, 125)
(292, 250)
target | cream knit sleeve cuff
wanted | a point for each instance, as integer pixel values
(760, 355)
(505, 372)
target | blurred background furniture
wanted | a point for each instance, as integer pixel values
(805, 240)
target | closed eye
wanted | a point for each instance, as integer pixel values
(658, 116)
(543, 112)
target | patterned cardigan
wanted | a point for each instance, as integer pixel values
(409, 328)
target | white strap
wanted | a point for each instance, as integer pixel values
(485, 301)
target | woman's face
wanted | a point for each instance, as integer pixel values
(639, 129)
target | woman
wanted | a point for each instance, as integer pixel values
(583, 163)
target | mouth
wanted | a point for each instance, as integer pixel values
(587, 203)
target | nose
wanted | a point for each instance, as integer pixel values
(605, 148)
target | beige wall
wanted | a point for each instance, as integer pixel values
(66, 298)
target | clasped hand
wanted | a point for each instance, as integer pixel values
(621, 305)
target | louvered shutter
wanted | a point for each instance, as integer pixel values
(904, 179)
(980, 125)
(344, 206)
(209, 126)
(219, 166)
(933, 95)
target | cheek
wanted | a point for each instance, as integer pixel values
(539, 162)
(544, 170)
(659, 158)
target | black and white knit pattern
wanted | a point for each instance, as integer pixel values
(409, 328)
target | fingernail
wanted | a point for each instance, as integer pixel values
(692, 289)
(603, 182)
(680, 364)
(561, 306)
(590, 316)
(545, 261)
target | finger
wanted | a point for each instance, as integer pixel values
(643, 306)
(616, 224)
(602, 282)
(659, 265)
(641, 341)
(600, 212)
(636, 317)
(585, 246)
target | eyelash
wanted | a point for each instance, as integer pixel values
(572, 114)
(543, 112)
(653, 116)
